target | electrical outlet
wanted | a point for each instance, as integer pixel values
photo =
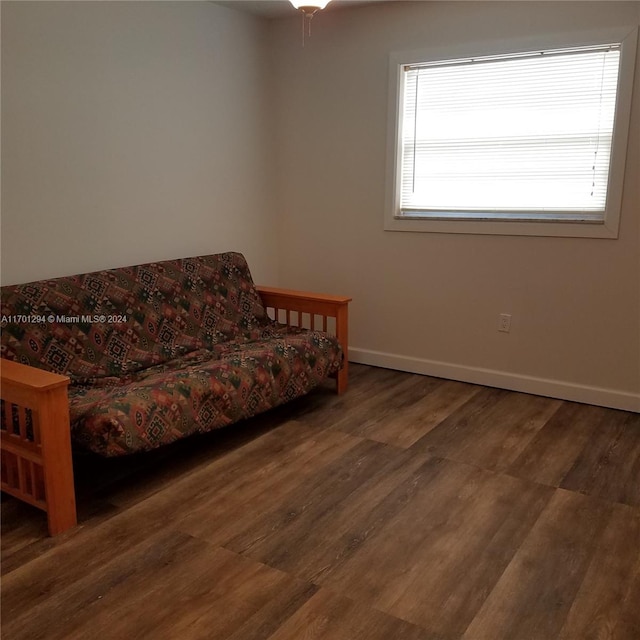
(504, 322)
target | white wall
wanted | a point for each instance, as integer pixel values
(430, 302)
(133, 131)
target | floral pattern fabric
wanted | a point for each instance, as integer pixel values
(158, 351)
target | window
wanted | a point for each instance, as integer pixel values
(529, 141)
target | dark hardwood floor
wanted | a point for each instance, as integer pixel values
(411, 508)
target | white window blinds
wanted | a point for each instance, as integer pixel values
(521, 136)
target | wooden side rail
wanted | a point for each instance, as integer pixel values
(35, 442)
(313, 311)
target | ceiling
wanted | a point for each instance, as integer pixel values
(283, 8)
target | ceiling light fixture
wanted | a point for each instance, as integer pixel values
(308, 9)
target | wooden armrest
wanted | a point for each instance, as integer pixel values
(22, 379)
(314, 304)
(36, 442)
(272, 292)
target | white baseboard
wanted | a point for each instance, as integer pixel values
(502, 379)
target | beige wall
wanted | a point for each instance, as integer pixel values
(430, 302)
(141, 131)
(132, 131)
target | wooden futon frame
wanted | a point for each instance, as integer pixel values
(36, 463)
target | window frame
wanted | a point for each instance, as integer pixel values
(609, 228)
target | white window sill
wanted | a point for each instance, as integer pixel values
(515, 227)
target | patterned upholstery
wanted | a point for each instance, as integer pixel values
(158, 351)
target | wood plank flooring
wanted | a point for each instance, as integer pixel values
(410, 508)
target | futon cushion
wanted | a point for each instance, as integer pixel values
(203, 391)
(110, 324)
(158, 351)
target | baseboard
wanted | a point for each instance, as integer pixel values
(502, 379)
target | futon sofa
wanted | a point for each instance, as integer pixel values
(126, 360)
